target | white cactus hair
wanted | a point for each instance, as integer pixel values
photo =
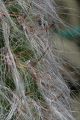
(31, 88)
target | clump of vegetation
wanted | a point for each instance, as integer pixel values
(31, 84)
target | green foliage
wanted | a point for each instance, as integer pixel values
(1, 39)
(16, 9)
(4, 103)
(33, 88)
(9, 82)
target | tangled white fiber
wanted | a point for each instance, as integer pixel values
(31, 85)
